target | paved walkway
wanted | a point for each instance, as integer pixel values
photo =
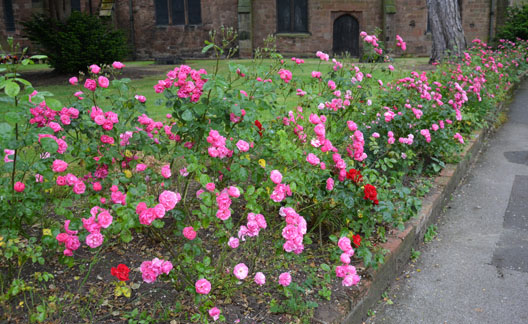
(476, 271)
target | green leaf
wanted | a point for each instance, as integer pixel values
(54, 104)
(126, 236)
(187, 115)
(38, 57)
(207, 261)
(13, 117)
(12, 88)
(49, 144)
(206, 48)
(325, 267)
(349, 202)
(5, 131)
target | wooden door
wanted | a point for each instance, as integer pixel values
(346, 35)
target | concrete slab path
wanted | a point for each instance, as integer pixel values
(476, 270)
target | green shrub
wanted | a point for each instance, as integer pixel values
(516, 25)
(80, 41)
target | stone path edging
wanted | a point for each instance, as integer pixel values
(400, 243)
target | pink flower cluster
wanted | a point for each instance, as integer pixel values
(281, 190)
(294, 230)
(372, 40)
(356, 150)
(322, 56)
(255, 222)
(297, 61)
(407, 140)
(346, 271)
(400, 43)
(179, 78)
(100, 218)
(63, 146)
(217, 148)
(167, 201)
(117, 196)
(78, 185)
(104, 119)
(425, 133)
(285, 75)
(224, 202)
(69, 239)
(150, 270)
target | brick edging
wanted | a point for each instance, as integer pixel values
(400, 243)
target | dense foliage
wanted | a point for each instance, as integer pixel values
(516, 25)
(245, 174)
(81, 40)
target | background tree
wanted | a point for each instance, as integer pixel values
(446, 26)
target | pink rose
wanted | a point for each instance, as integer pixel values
(202, 286)
(93, 240)
(79, 187)
(243, 146)
(104, 219)
(189, 233)
(350, 280)
(214, 313)
(276, 176)
(73, 80)
(90, 85)
(240, 271)
(210, 186)
(166, 267)
(107, 139)
(141, 167)
(103, 82)
(312, 159)
(233, 242)
(97, 186)
(285, 279)
(59, 166)
(19, 186)
(344, 244)
(169, 199)
(118, 65)
(159, 210)
(329, 184)
(260, 278)
(141, 207)
(94, 68)
(166, 171)
(140, 98)
(233, 192)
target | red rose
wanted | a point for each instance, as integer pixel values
(259, 126)
(354, 175)
(121, 272)
(371, 193)
(356, 239)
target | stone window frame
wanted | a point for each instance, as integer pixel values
(170, 14)
(292, 32)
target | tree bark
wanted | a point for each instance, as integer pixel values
(446, 26)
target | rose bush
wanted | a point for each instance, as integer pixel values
(245, 167)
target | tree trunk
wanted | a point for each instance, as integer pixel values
(446, 26)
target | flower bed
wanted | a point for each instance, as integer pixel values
(258, 185)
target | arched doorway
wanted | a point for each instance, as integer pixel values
(346, 35)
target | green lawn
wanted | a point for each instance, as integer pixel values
(144, 85)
